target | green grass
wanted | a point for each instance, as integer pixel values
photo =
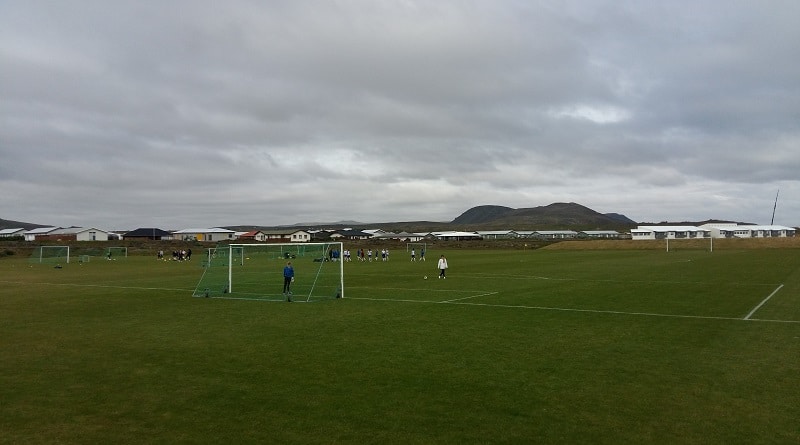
(513, 347)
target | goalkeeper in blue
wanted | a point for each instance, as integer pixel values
(288, 278)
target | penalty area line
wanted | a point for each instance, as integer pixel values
(471, 296)
(764, 301)
(591, 311)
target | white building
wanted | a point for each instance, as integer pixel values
(67, 234)
(599, 234)
(498, 234)
(31, 235)
(733, 230)
(8, 233)
(457, 236)
(288, 235)
(212, 234)
(91, 234)
(668, 232)
(555, 234)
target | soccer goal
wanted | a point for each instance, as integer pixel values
(255, 271)
(113, 253)
(420, 249)
(50, 254)
(416, 246)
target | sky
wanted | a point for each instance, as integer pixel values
(199, 113)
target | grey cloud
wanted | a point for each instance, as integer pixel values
(275, 112)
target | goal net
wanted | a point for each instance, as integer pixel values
(115, 253)
(419, 249)
(50, 254)
(255, 271)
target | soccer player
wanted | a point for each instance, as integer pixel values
(442, 266)
(413, 255)
(288, 278)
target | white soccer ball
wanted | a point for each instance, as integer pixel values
(426, 277)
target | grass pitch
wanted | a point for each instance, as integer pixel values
(513, 347)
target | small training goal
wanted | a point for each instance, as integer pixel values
(255, 271)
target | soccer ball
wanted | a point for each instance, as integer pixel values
(426, 277)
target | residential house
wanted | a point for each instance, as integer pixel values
(9, 233)
(147, 233)
(349, 234)
(597, 234)
(400, 236)
(498, 234)
(555, 234)
(253, 235)
(214, 234)
(75, 234)
(668, 232)
(733, 230)
(32, 234)
(288, 235)
(457, 236)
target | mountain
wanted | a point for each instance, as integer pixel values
(483, 214)
(621, 218)
(553, 216)
(9, 224)
(485, 217)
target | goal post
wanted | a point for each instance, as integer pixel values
(50, 254)
(255, 271)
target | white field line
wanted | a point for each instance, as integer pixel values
(458, 301)
(561, 309)
(471, 296)
(747, 317)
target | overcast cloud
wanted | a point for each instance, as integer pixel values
(175, 114)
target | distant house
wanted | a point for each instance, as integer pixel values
(400, 236)
(286, 236)
(606, 234)
(352, 234)
(733, 230)
(75, 234)
(668, 232)
(457, 236)
(338, 235)
(210, 235)
(498, 234)
(253, 235)
(374, 232)
(555, 234)
(31, 235)
(147, 233)
(8, 233)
